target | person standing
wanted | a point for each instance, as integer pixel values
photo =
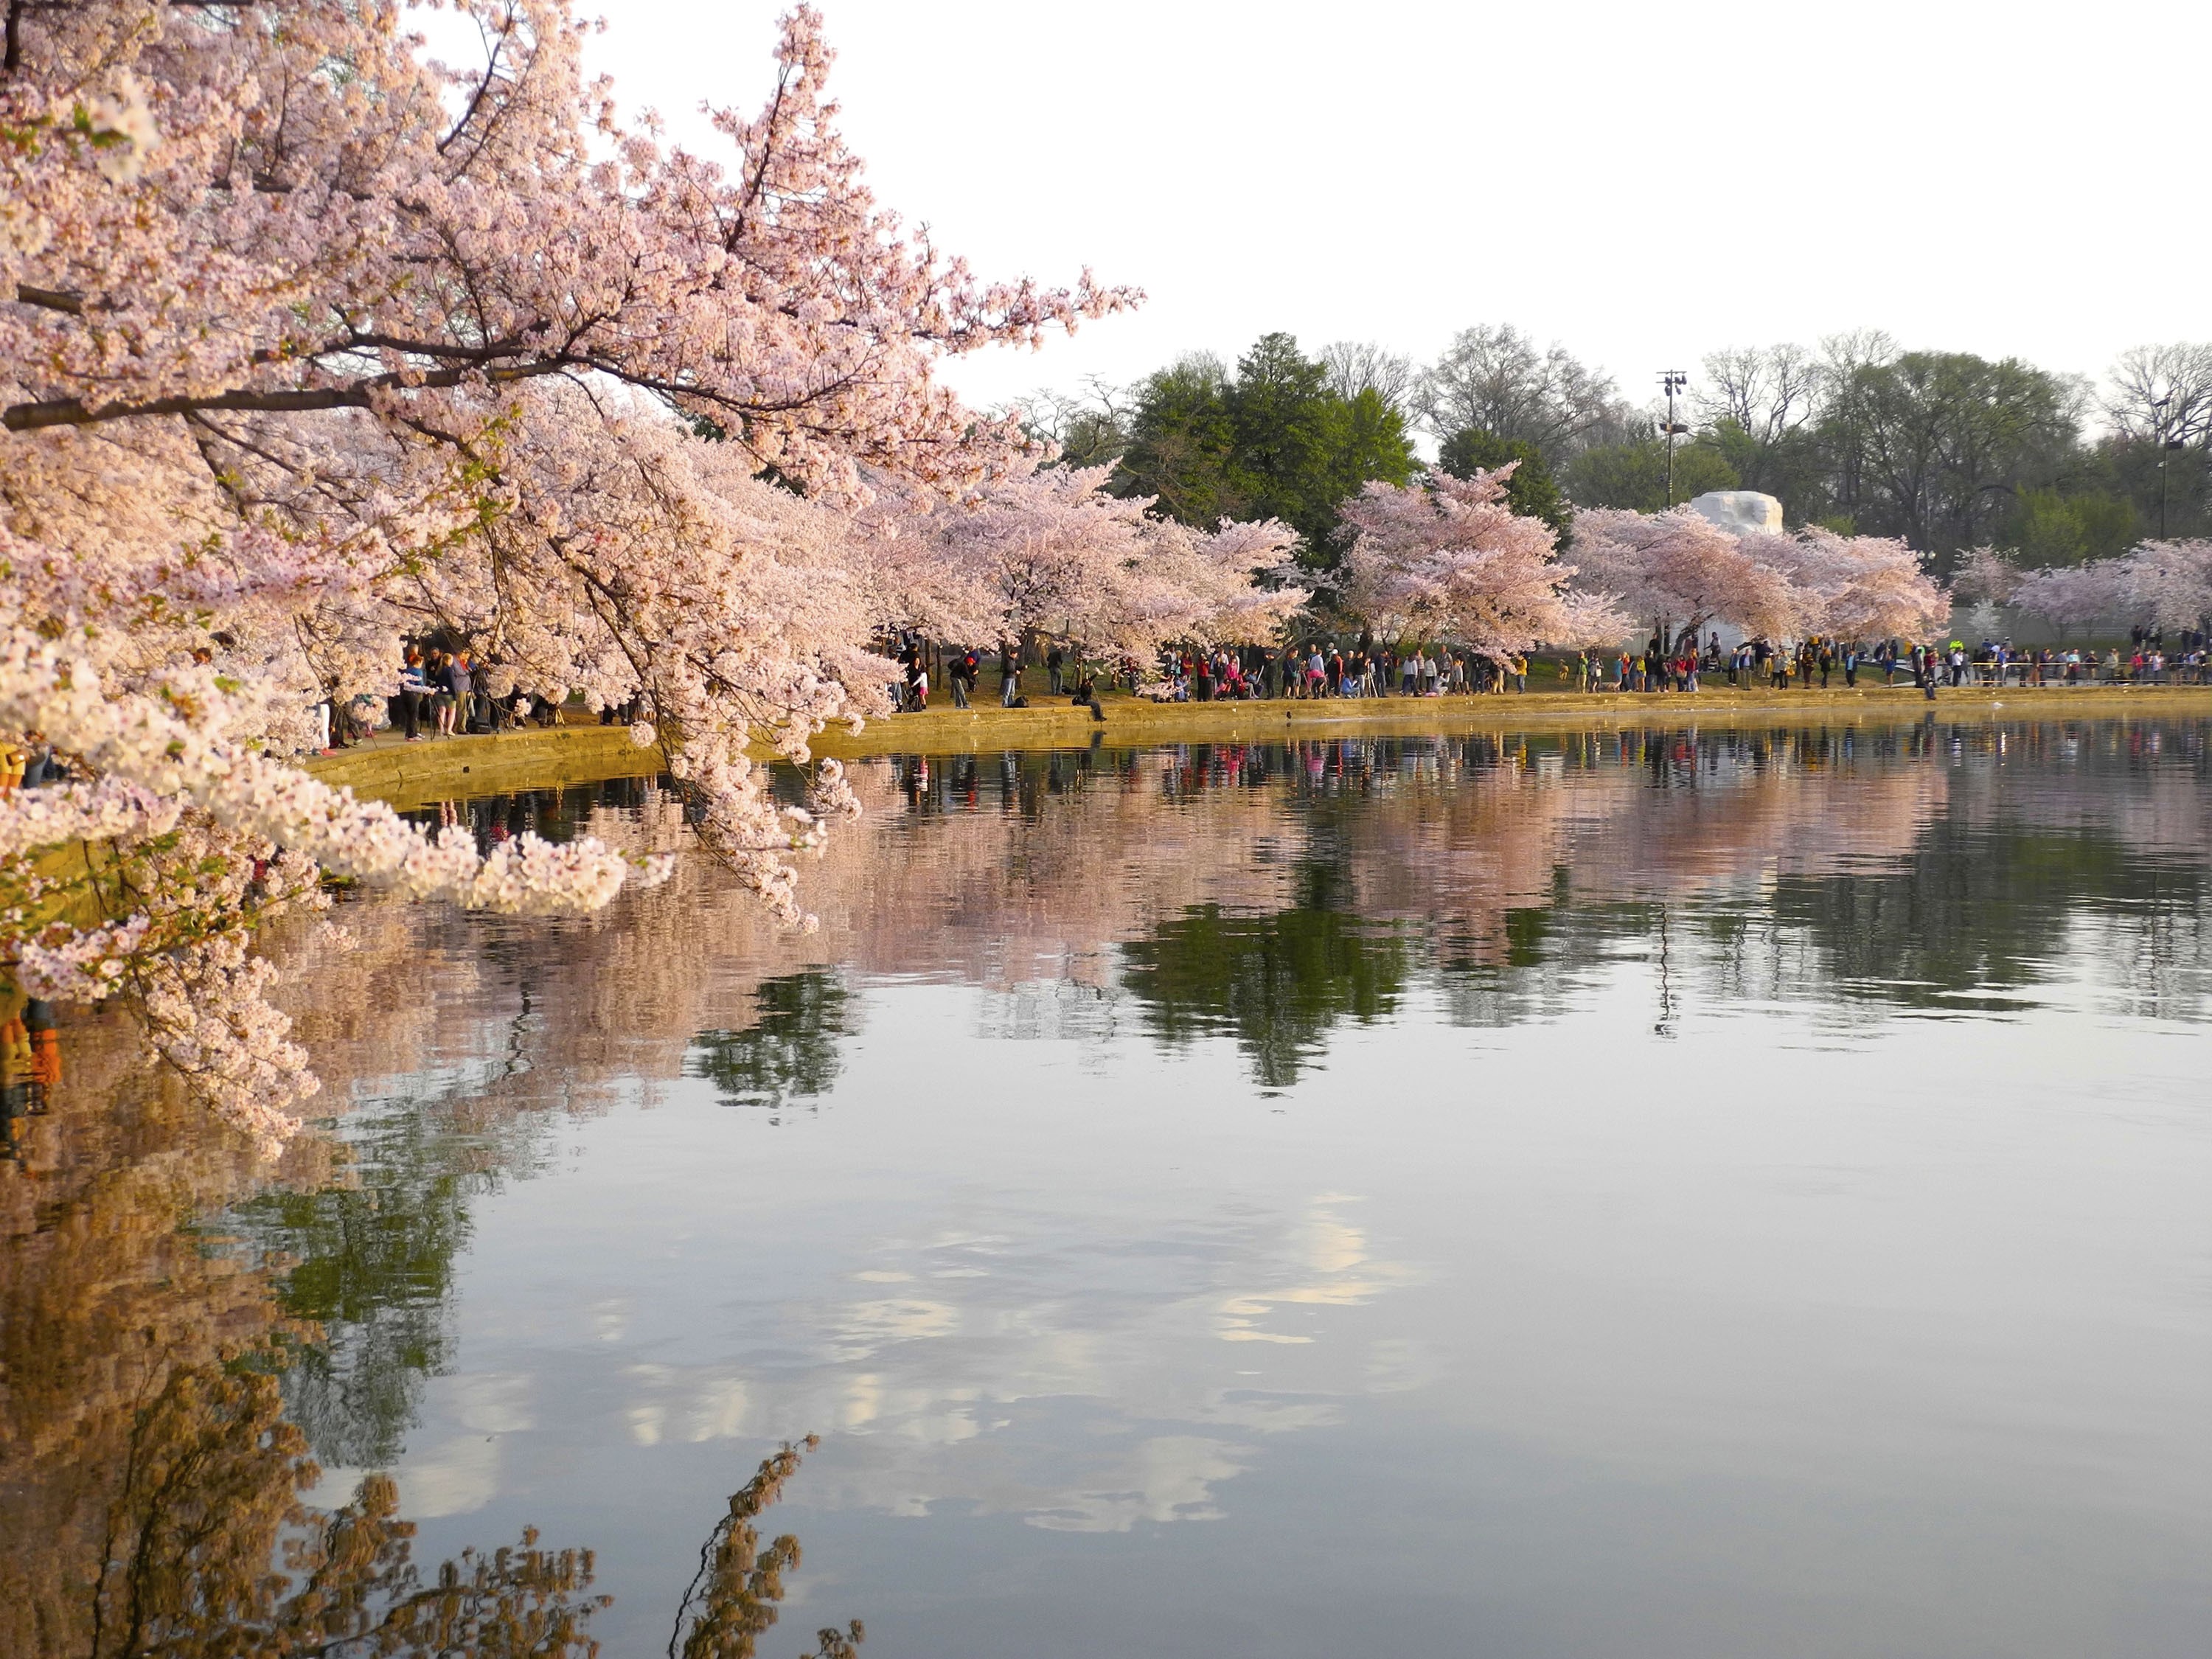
(440, 678)
(1053, 661)
(414, 691)
(460, 689)
(1010, 675)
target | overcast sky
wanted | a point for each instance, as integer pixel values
(1644, 183)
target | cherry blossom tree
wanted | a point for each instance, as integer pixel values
(2161, 585)
(308, 342)
(1853, 587)
(1678, 571)
(1986, 576)
(2167, 585)
(1680, 567)
(1044, 552)
(2073, 596)
(1449, 559)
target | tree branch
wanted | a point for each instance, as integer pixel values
(361, 394)
(49, 299)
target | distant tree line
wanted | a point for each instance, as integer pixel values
(1946, 450)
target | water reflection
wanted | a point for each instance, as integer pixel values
(165, 1396)
(1278, 890)
(950, 1270)
(789, 1054)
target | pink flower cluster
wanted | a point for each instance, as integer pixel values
(1044, 551)
(1679, 569)
(295, 363)
(2159, 584)
(1449, 559)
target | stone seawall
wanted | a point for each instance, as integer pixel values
(414, 774)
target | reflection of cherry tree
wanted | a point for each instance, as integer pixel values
(1490, 831)
(732, 1600)
(151, 1472)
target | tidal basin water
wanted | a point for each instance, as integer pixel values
(1715, 1192)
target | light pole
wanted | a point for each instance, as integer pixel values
(2158, 408)
(1671, 381)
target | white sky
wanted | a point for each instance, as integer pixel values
(1643, 182)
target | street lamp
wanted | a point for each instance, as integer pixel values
(2158, 408)
(2167, 445)
(1671, 381)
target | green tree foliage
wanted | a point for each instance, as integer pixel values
(1634, 475)
(1949, 449)
(2050, 527)
(1933, 446)
(1533, 492)
(1276, 439)
(1182, 443)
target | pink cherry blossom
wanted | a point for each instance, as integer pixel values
(1677, 571)
(1448, 559)
(295, 363)
(1986, 576)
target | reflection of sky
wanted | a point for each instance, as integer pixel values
(1764, 1336)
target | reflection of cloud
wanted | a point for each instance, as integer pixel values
(1400, 1364)
(611, 1319)
(492, 1402)
(453, 1477)
(865, 1327)
(1079, 1384)
(1170, 1479)
(1333, 1250)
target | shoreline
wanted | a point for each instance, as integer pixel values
(408, 775)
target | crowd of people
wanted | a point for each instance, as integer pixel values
(1315, 668)
(964, 673)
(439, 693)
(1323, 669)
(443, 693)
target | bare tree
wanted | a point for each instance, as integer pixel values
(1090, 426)
(1497, 379)
(1358, 366)
(1769, 391)
(2181, 375)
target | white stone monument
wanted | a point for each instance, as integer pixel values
(1739, 510)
